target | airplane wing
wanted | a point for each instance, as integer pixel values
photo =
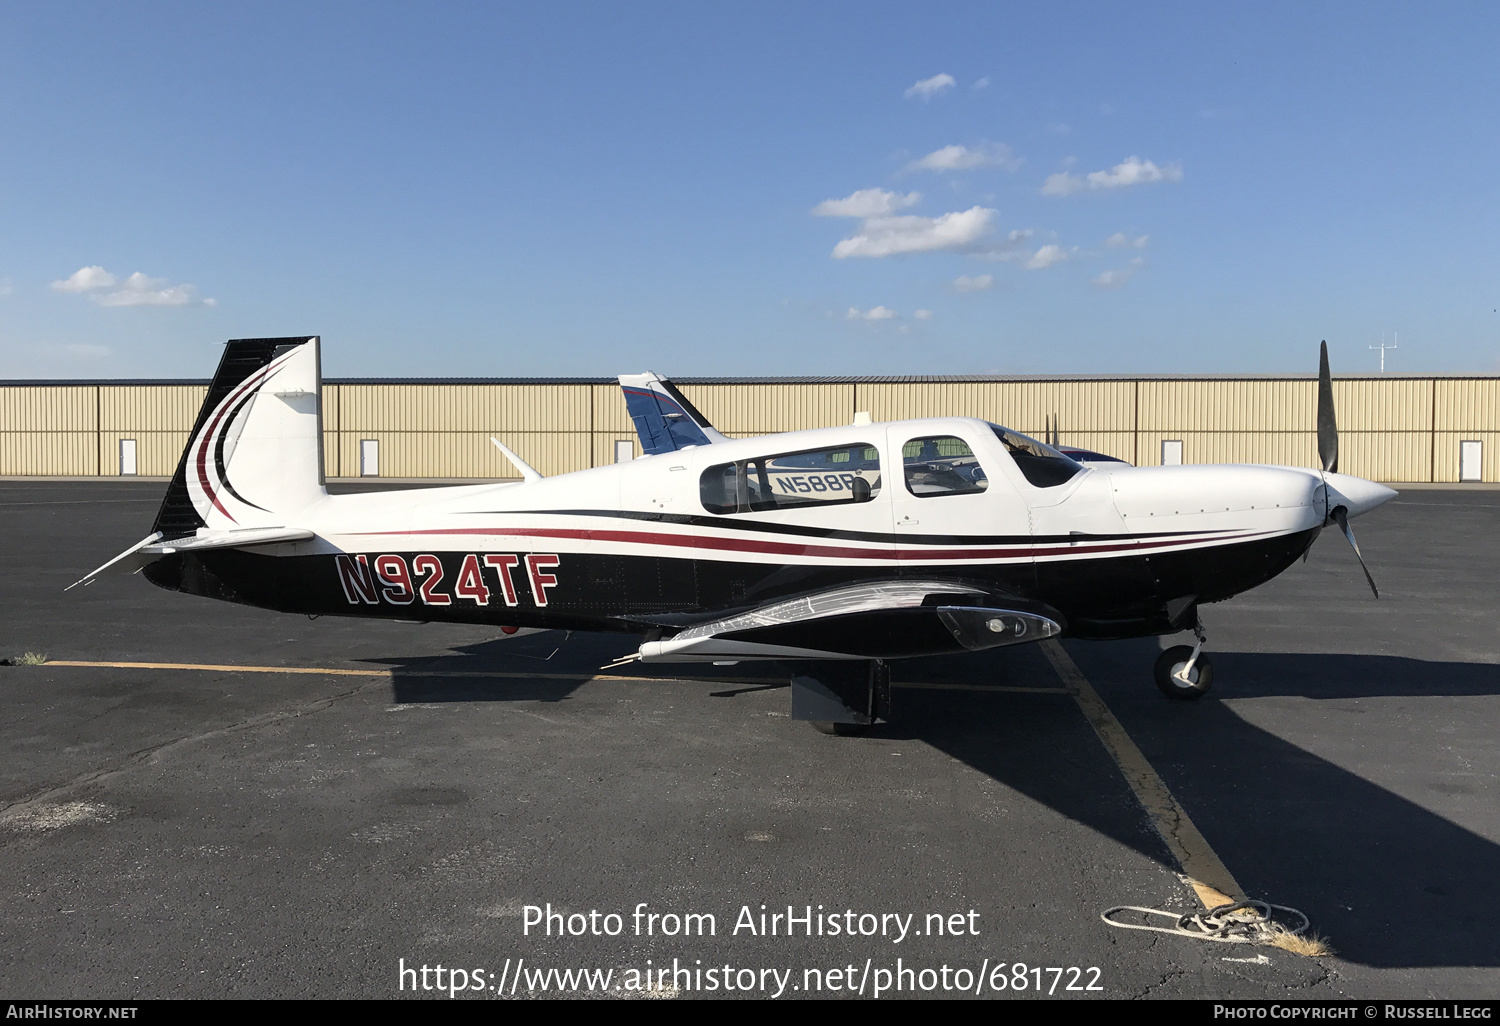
(885, 619)
(152, 547)
(664, 419)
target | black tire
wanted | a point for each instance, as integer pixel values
(1174, 659)
(839, 729)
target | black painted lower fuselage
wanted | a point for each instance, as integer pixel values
(1119, 596)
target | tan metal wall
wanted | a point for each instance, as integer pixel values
(49, 430)
(1391, 429)
(1097, 415)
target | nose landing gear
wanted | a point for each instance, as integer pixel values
(1183, 672)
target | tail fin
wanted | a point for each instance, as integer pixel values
(664, 419)
(255, 456)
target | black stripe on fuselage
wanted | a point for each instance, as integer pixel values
(880, 537)
(1122, 596)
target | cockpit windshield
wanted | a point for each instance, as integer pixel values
(1041, 464)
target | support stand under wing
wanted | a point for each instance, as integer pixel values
(856, 692)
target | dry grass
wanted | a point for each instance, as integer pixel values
(1313, 946)
(31, 659)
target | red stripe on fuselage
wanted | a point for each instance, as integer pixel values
(789, 549)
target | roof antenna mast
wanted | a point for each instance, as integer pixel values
(1383, 347)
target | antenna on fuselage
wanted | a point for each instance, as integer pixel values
(527, 472)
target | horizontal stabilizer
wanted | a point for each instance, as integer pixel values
(227, 540)
(153, 547)
(664, 419)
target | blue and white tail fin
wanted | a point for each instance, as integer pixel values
(664, 419)
(255, 457)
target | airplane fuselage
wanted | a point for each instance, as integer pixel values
(667, 541)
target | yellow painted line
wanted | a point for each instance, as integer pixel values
(335, 671)
(1201, 867)
(219, 668)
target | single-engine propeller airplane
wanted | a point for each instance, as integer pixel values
(832, 550)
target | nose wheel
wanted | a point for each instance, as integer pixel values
(1183, 672)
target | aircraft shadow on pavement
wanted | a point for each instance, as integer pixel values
(548, 667)
(1390, 883)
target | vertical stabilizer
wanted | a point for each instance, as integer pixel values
(664, 419)
(255, 457)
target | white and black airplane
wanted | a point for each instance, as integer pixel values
(832, 550)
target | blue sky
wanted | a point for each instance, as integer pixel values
(586, 189)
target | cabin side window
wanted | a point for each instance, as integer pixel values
(942, 465)
(812, 477)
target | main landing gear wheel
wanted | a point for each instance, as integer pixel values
(1169, 667)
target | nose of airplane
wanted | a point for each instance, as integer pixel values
(1356, 494)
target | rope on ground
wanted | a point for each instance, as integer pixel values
(1243, 922)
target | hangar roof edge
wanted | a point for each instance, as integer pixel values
(894, 379)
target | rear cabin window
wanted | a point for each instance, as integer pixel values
(942, 465)
(1042, 465)
(813, 477)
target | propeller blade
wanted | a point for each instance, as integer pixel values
(1328, 429)
(1342, 516)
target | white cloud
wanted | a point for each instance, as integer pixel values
(887, 236)
(1062, 184)
(866, 203)
(923, 315)
(85, 279)
(1119, 240)
(930, 87)
(978, 283)
(1117, 278)
(1133, 171)
(1012, 247)
(877, 313)
(5, 286)
(137, 290)
(983, 83)
(962, 158)
(1048, 255)
(88, 352)
(1130, 171)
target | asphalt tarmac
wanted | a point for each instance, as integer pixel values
(211, 832)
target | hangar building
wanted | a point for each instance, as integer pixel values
(1395, 428)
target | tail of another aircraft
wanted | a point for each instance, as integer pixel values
(664, 419)
(255, 457)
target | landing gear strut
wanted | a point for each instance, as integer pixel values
(1184, 672)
